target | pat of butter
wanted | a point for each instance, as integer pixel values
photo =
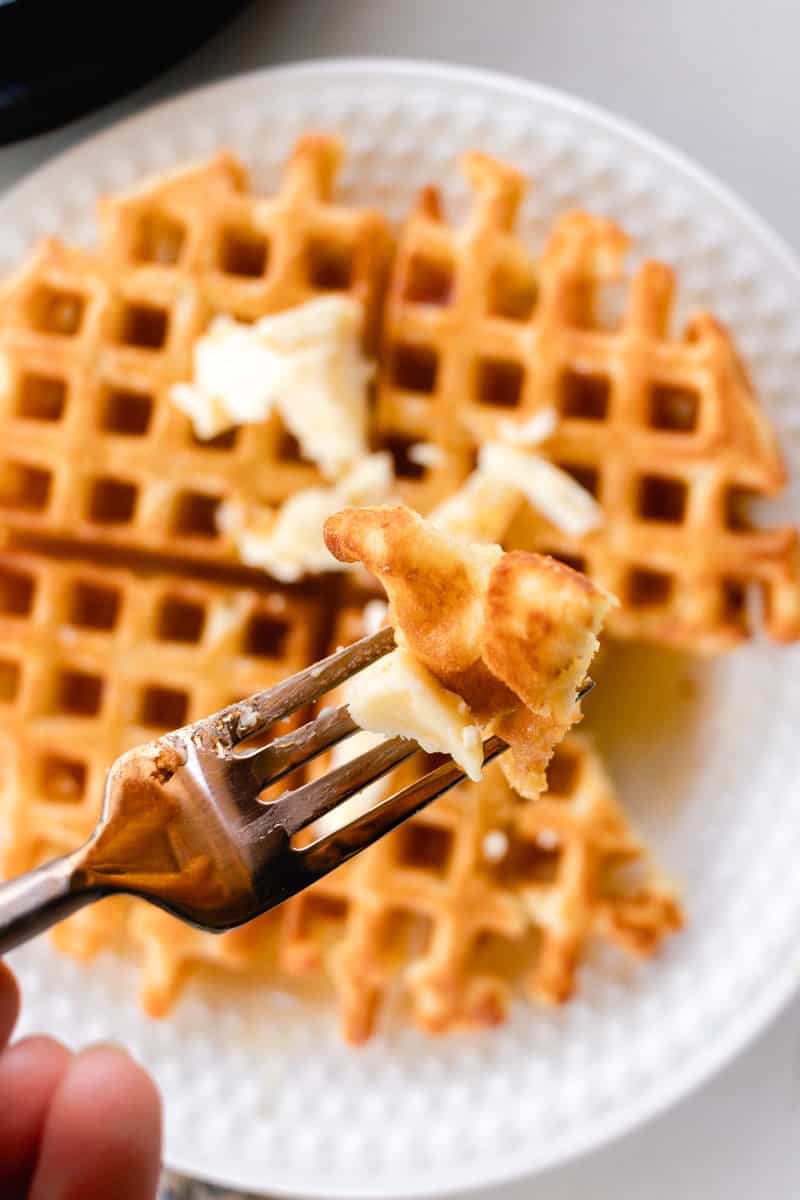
(530, 432)
(374, 616)
(551, 491)
(480, 511)
(363, 801)
(305, 363)
(289, 541)
(234, 379)
(398, 695)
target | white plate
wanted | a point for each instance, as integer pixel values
(260, 1092)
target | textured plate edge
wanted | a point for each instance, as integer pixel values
(777, 994)
(431, 71)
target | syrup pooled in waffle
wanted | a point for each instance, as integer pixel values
(434, 917)
(90, 344)
(665, 431)
(96, 660)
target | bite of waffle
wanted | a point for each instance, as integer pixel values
(511, 634)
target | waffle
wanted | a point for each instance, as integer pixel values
(511, 634)
(90, 344)
(171, 952)
(665, 431)
(95, 660)
(424, 919)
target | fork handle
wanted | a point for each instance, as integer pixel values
(38, 899)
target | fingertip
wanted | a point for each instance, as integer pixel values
(107, 1063)
(103, 1132)
(39, 1052)
(30, 1073)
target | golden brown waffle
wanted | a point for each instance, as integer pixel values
(665, 431)
(94, 659)
(426, 916)
(170, 952)
(90, 344)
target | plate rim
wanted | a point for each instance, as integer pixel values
(776, 995)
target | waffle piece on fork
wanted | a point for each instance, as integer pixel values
(664, 430)
(512, 635)
(90, 344)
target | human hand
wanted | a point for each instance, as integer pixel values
(73, 1126)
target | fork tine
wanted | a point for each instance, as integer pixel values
(337, 847)
(278, 758)
(238, 722)
(296, 809)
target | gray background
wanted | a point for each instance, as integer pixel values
(720, 80)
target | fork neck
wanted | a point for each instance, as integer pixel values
(40, 898)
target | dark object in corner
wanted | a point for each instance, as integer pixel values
(60, 59)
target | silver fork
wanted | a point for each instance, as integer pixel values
(182, 824)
